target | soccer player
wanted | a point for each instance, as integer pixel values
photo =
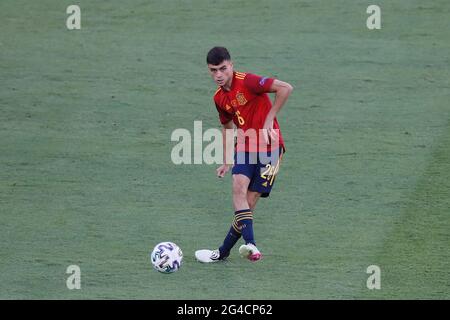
(242, 101)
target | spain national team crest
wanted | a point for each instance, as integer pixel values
(241, 98)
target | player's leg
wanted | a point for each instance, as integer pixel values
(243, 215)
(242, 211)
(260, 186)
(249, 250)
(240, 189)
(252, 199)
(242, 218)
(242, 222)
(242, 171)
(244, 203)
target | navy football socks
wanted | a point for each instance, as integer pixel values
(242, 225)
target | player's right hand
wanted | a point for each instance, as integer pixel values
(222, 170)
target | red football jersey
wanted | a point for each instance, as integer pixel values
(247, 104)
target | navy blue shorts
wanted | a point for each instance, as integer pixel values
(261, 168)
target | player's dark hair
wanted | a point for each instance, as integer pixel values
(217, 55)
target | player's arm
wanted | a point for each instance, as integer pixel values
(228, 147)
(282, 91)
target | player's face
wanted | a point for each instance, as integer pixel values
(222, 74)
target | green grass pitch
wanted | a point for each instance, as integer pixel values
(86, 176)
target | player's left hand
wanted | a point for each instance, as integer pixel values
(269, 133)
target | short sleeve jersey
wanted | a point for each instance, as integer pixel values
(247, 104)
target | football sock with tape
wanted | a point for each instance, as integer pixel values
(242, 225)
(244, 219)
(230, 240)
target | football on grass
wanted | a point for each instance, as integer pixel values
(166, 257)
